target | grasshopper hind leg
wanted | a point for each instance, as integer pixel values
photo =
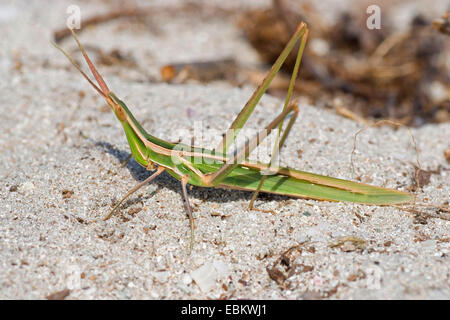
(287, 103)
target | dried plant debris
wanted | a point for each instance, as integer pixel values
(66, 194)
(443, 24)
(422, 177)
(201, 71)
(115, 57)
(59, 295)
(131, 11)
(285, 266)
(447, 155)
(349, 244)
(381, 73)
(133, 211)
(62, 33)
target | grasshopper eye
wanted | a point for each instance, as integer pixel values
(120, 112)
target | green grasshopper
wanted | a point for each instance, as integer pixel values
(221, 169)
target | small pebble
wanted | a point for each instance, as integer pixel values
(161, 276)
(221, 268)
(205, 277)
(27, 187)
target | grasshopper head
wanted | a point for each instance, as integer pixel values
(118, 110)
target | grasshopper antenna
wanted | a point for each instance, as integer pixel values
(103, 90)
(94, 71)
(79, 69)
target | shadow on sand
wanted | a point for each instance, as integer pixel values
(165, 180)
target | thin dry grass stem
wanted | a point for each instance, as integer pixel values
(442, 207)
(376, 124)
(347, 113)
(134, 11)
(381, 71)
(413, 206)
(387, 44)
(101, 18)
(443, 24)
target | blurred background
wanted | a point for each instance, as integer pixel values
(397, 70)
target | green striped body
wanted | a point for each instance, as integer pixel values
(245, 178)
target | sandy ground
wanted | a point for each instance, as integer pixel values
(60, 155)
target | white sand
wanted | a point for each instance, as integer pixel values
(53, 140)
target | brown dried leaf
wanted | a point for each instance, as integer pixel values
(59, 295)
(132, 212)
(422, 177)
(276, 275)
(447, 155)
(66, 194)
